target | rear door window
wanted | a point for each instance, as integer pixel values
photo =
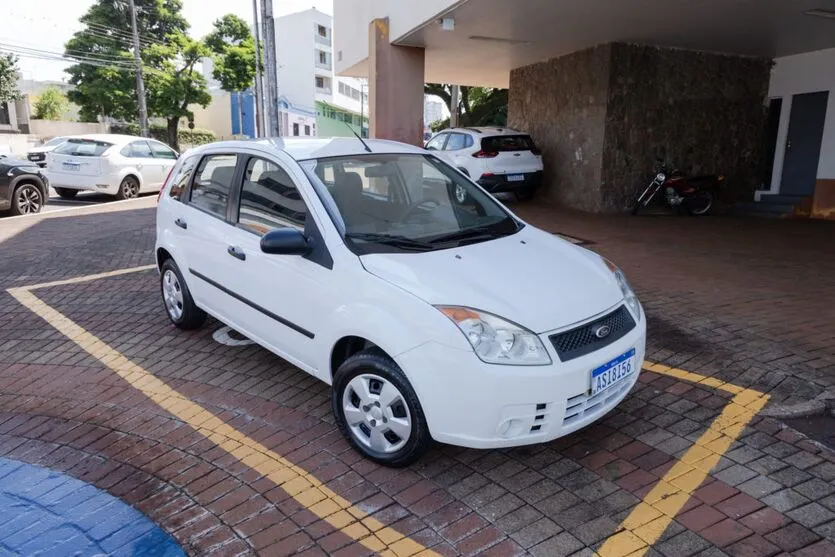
(503, 143)
(83, 148)
(212, 184)
(137, 150)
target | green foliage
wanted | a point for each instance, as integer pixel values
(478, 106)
(8, 78)
(51, 105)
(197, 136)
(233, 47)
(169, 57)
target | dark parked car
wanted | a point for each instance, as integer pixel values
(23, 188)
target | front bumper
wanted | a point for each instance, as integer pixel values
(499, 183)
(473, 404)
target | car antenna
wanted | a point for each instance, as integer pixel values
(364, 144)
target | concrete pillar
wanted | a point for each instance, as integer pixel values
(395, 95)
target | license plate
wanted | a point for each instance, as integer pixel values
(516, 178)
(75, 167)
(612, 372)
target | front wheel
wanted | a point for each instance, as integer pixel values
(66, 193)
(377, 410)
(646, 196)
(699, 203)
(525, 194)
(27, 200)
(128, 189)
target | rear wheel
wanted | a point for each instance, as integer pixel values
(27, 200)
(699, 203)
(66, 193)
(378, 411)
(525, 194)
(128, 189)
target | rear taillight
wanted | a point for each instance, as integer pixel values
(164, 184)
(485, 154)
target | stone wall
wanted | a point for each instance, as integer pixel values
(562, 104)
(702, 112)
(601, 116)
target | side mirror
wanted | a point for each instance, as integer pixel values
(285, 241)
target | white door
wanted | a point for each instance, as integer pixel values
(141, 157)
(203, 230)
(165, 157)
(285, 294)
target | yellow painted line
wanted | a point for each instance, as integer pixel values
(653, 515)
(300, 484)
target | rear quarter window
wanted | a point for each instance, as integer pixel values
(83, 148)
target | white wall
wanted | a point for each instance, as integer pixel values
(217, 116)
(52, 128)
(295, 48)
(804, 73)
(353, 17)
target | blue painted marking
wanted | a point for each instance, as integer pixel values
(46, 513)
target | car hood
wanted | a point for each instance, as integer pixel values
(41, 149)
(532, 278)
(12, 162)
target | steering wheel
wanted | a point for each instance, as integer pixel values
(428, 203)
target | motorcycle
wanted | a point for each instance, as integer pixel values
(695, 194)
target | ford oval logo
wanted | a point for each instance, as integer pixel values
(602, 331)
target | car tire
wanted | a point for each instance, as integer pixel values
(525, 194)
(177, 300)
(66, 193)
(128, 189)
(27, 199)
(380, 442)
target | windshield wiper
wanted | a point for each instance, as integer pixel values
(401, 242)
(477, 233)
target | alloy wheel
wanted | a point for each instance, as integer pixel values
(376, 413)
(172, 294)
(130, 188)
(29, 200)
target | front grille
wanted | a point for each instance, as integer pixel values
(582, 340)
(585, 406)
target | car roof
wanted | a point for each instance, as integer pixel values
(115, 138)
(316, 147)
(488, 130)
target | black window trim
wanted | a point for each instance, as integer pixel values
(235, 178)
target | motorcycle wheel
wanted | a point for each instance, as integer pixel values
(699, 203)
(645, 197)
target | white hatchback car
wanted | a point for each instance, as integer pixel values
(432, 318)
(499, 159)
(120, 165)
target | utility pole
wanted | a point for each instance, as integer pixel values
(453, 113)
(362, 108)
(259, 90)
(140, 82)
(271, 73)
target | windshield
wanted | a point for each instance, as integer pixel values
(397, 202)
(83, 148)
(55, 141)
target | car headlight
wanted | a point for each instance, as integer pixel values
(628, 294)
(497, 341)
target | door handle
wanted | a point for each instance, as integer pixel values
(139, 166)
(236, 252)
(181, 223)
(789, 145)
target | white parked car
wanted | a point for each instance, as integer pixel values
(120, 165)
(38, 154)
(499, 159)
(432, 318)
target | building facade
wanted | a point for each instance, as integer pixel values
(306, 79)
(605, 88)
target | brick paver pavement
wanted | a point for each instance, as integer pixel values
(747, 301)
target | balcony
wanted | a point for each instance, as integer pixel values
(326, 66)
(322, 40)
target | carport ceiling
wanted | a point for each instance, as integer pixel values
(491, 37)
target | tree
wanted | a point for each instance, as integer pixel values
(478, 106)
(233, 47)
(104, 77)
(8, 78)
(51, 105)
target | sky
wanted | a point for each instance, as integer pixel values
(48, 24)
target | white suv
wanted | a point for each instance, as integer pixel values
(356, 262)
(120, 165)
(499, 159)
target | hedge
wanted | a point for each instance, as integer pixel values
(197, 136)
